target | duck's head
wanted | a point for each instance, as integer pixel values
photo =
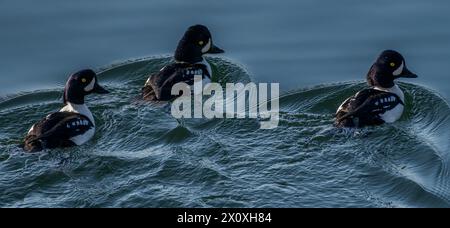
(80, 85)
(196, 42)
(389, 66)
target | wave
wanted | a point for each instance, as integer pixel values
(142, 157)
(414, 149)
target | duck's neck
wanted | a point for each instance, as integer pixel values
(394, 89)
(208, 67)
(80, 109)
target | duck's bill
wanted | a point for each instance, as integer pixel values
(100, 90)
(408, 74)
(215, 50)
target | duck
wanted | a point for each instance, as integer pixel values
(189, 62)
(384, 101)
(74, 124)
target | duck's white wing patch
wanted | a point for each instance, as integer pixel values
(393, 115)
(81, 130)
(83, 138)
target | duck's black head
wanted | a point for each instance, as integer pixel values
(80, 85)
(389, 66)
(196, 42)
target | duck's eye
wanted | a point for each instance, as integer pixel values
(392, 64)
(201, 43)
(83, 80)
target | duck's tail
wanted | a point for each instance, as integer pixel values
(32, 144)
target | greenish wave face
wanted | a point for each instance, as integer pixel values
(142, 157)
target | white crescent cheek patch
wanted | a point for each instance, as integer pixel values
(399, 70)
(207, 47)
(90, 87)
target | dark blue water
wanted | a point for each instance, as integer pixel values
(142, 157)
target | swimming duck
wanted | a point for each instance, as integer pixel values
(74, 124)
(189, 61)
(384, 101)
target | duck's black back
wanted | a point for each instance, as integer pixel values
(159, 85)
(56, 130)
(364, 108)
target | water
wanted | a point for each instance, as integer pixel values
(143, 157)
